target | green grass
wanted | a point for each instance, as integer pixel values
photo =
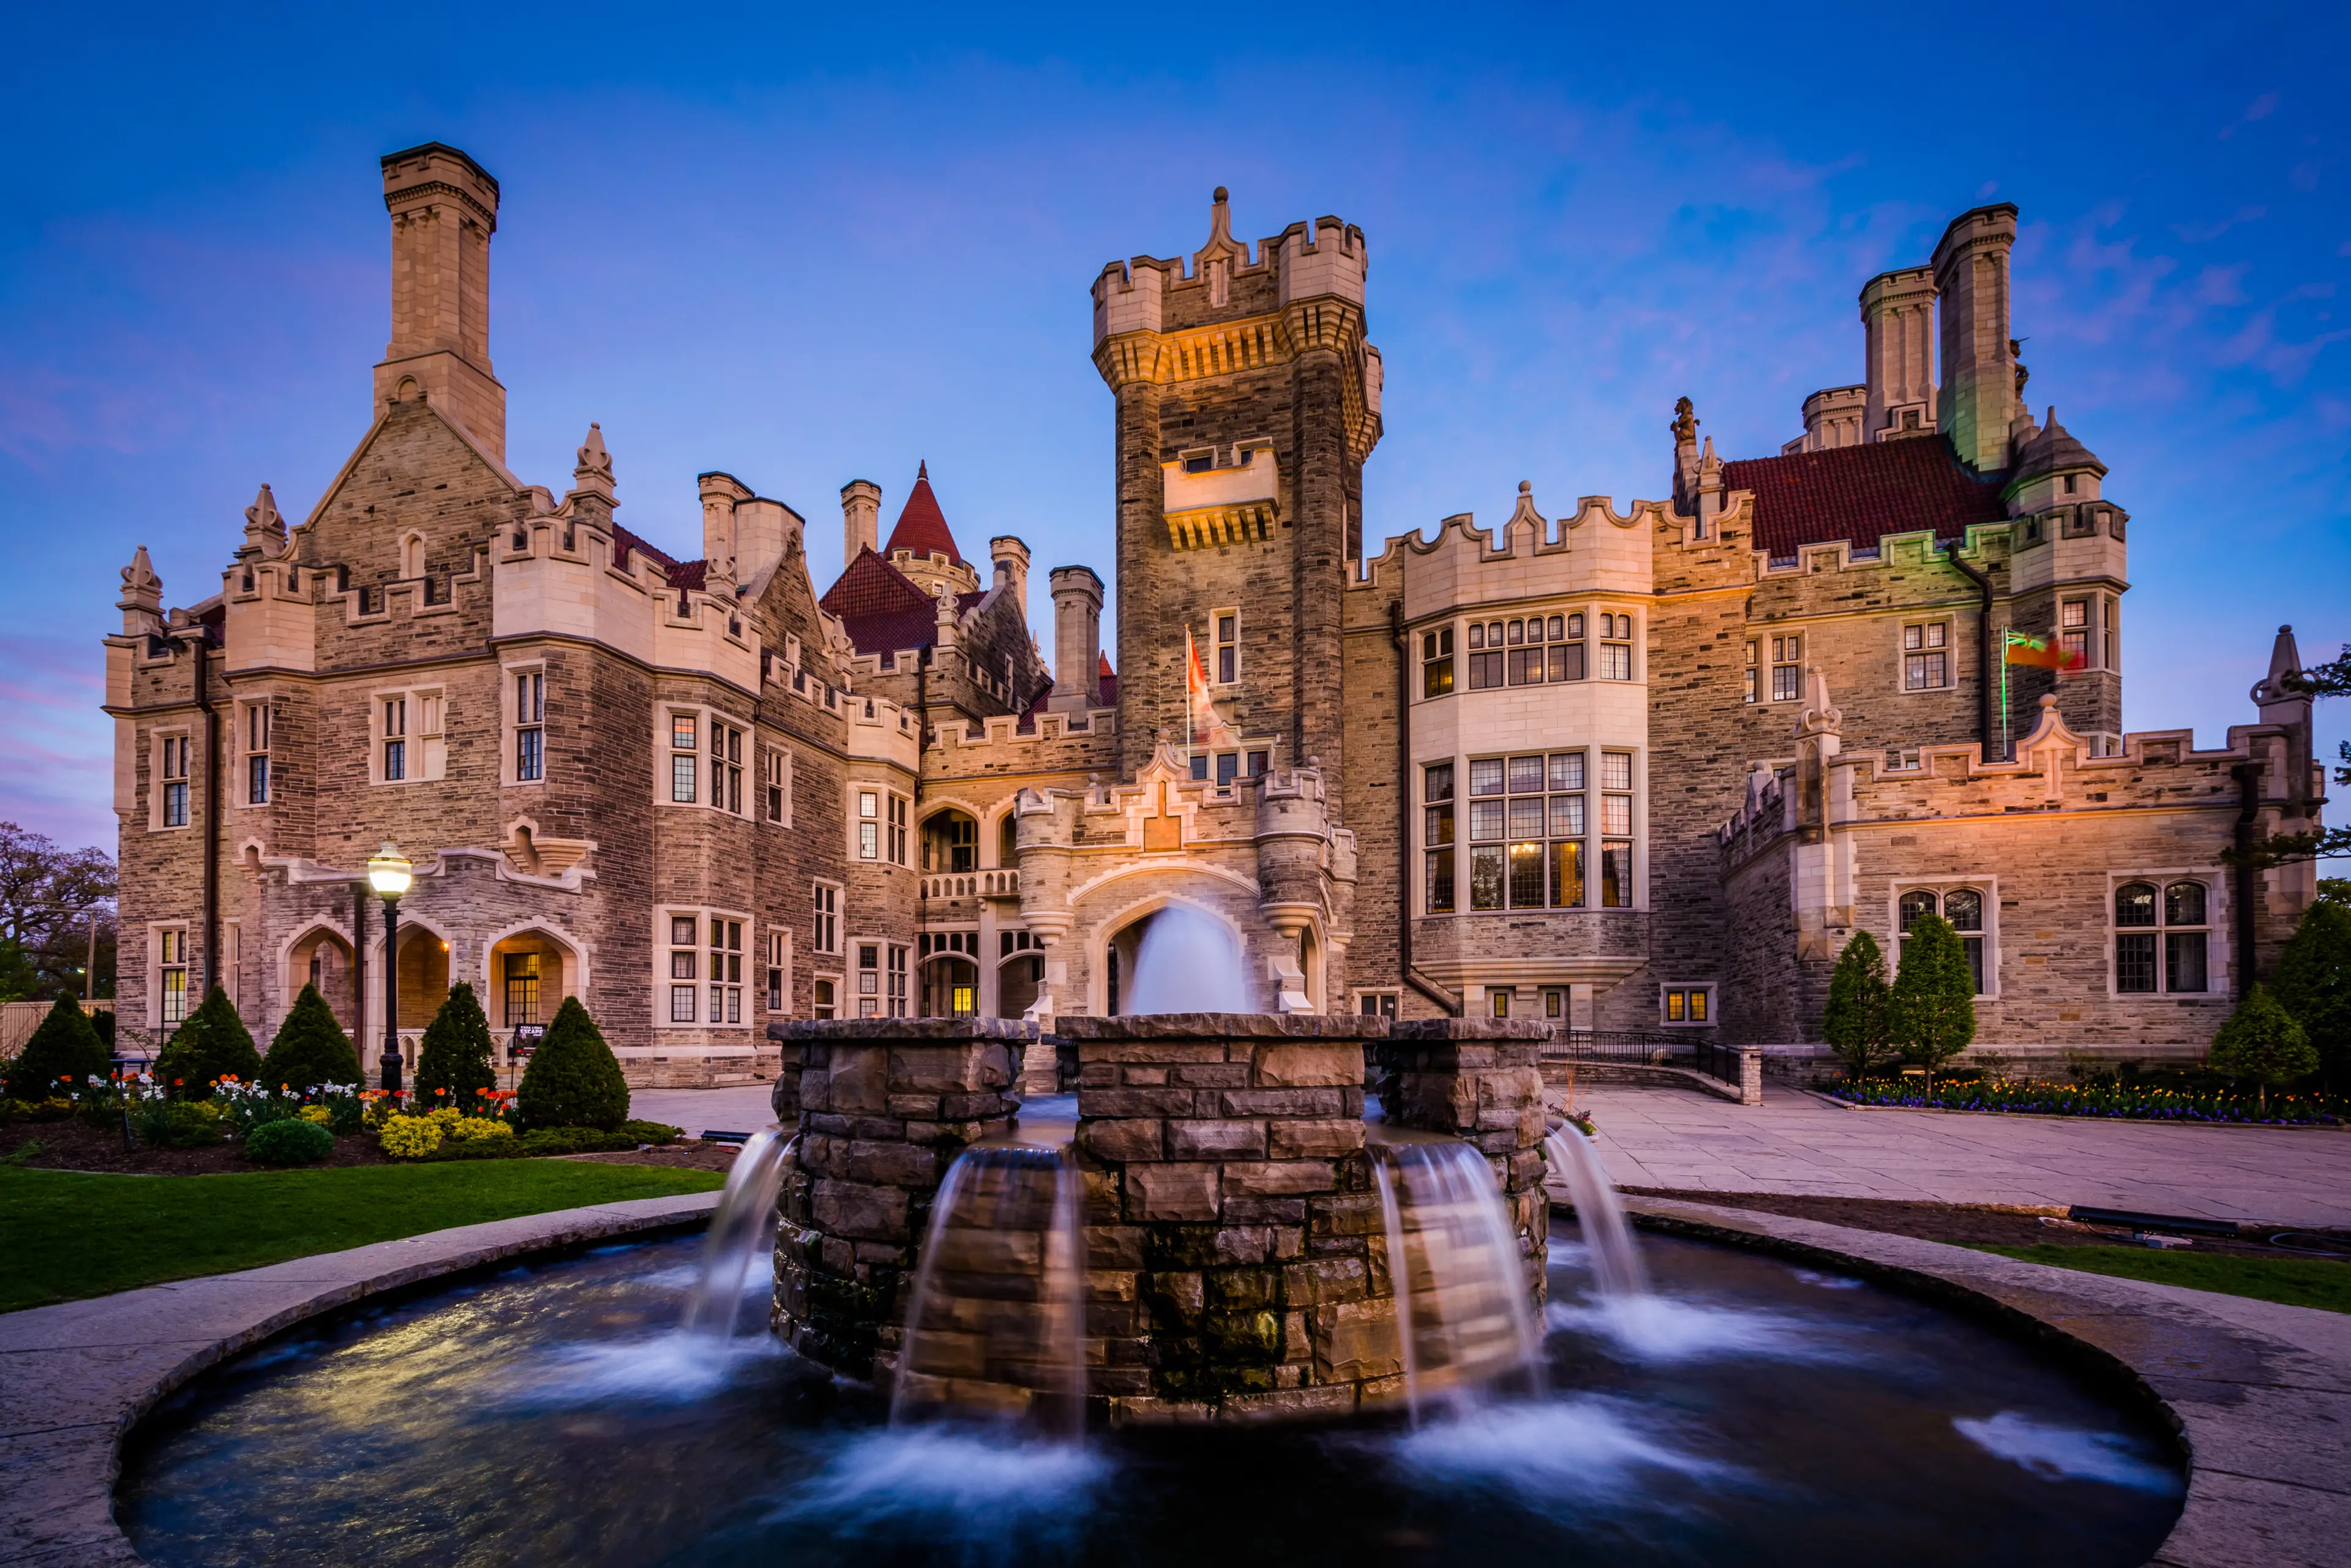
(66, 1235)
(2295, 1281)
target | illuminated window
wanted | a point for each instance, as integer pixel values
(1687, 1004)
(684, 770)
(1437, 662)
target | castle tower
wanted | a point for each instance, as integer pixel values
(1979, 396)
(1247, 402)
(444, 208)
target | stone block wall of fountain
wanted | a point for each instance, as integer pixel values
(883, 1107)
(1480, 1079)
(1231, 1245)
(1234, 1253)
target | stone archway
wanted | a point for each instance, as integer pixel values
(528, 970)
(1111, 951)
(320, 956)
(950, 986)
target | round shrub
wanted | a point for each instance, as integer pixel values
(411, 1137)
(318, 1115)
(468, 1129)
(288, 1141)
(65, 1046)
(456, 1052)
(573, 1080)
(310, 1048)
(213, 1044)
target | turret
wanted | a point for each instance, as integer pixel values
(1978, 397)
(444, 208)
(1011, 559)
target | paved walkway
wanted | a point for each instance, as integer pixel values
(738, 1108)
(1794, 1143)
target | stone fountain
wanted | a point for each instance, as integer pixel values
(1236, 1261)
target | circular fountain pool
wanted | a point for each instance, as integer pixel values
(1753, 1411)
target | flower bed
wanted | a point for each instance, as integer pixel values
(2119, 1102)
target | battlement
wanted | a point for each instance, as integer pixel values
(1596, 550)
(1327, 258)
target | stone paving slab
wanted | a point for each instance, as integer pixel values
(1798, 1143)
(737, 1108)
(75, 1376)
(2262, 1392)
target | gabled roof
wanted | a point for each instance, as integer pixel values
(922, 527)
(1859, 494)
(881, 607)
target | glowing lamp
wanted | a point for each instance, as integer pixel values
(388, 870)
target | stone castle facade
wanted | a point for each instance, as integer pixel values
(1640, 771)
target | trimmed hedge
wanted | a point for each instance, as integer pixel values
(310, 1048)
(213, 1043)
(456, 1053)
(573, 1078)
(289, 1142)
(63, 1046)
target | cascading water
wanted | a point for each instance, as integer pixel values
(995, 1325)
(739, 1230)
(1615, 1259)
(1463, 1318)
(1188, 963)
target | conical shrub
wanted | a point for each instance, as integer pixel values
(211, 1045)
(2314, 983)
(456, 1052)
(310, 1048)
(1930, 1012)
(573, 1078)
(63, 1046)
(1854, 1023)
(2263, 1041)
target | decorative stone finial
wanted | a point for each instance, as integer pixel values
(265, 529)
(594, 472)
(1685, 421)
(1221, 194)
(143, 597)
(1820, 717)
(1526, 486)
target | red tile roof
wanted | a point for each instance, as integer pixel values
(922, 527)
(1861, 493)
(680, 573)
(1109, 681)
(881, 607)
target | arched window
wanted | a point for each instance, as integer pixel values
(1915, 905)
(1963, 907)
(1007, 841)
(2171, 954)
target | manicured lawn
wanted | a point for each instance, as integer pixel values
(64, 1235)
(2295, 1281)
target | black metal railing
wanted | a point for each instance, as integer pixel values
(1719, 1061)
(1626, 1045)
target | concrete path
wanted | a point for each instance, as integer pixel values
(1795, 1143)
(74, 1377)
(738, 1108)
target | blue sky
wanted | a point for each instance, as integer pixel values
(809, 246)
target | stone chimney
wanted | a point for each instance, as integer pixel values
(1978, 397)
(1011, 559)
(860, 520)
(444, 208)
(721, 493)
(1898, 323)
(1077, 639)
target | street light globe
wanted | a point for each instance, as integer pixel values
(388, 870)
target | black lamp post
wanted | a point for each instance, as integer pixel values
(388, 871)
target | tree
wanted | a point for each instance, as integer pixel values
(310, 1048)
(1930, 1014)
(456, 1052)
(47, 896)
(573, 1078)
(2332, 679)
(211, 1045)
(1854, 1021)
(2262, 1042)
(65, 1046)
(2314, 983)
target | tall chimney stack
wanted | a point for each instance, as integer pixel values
(444, 208)
(860, 520)
(1897, 320)
(1077, 639)
(1978, 390)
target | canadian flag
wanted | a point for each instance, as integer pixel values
(1206, 724)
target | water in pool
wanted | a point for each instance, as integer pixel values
(1753, 1411)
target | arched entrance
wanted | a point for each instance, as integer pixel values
(1206, 958)
(528, 975)
(322, 957)
(950, 986)
(1018, 980)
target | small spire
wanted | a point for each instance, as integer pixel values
(265, 528)
(594, 472)
(923, 469)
